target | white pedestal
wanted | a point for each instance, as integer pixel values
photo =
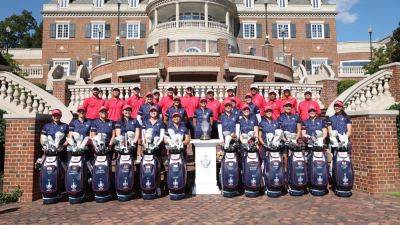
(206, 167)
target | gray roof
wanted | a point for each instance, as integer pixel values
(294, 2)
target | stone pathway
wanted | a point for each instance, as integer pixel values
(359, 209)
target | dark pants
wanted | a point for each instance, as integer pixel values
(214, 131)
(190, 127)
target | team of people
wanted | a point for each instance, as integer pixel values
(186, 114)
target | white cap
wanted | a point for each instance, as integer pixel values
(230, 88)
(188, 86)
(209, 90)
(253, 86)
(271, 91)
(308, 90)
(156, 91)
(286, 87)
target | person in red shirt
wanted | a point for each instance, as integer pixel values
(93, 104)
(307, 104)
(135, 101)
(190, 103)
(258, 99)
(231, 95)
(274, 104)
(167, 101)
(287, 98)
(156, 96)
(114, 106)
(214, 105)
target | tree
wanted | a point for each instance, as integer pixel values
(395, 46)
(23, 28)
(381, 57)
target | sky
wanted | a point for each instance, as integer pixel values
(353, 21)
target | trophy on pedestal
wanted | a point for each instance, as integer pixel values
(205, 126)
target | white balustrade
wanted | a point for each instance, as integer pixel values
(351, 70)
(33, 71)
(191, 23)
(200, 88)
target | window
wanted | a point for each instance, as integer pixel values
(316, 64)
(133, 31)
(283, 30)
(133, 3)
(354, 63)
(249, 30)
(282, 3)
(98, 3)
(62, 31)
(317, 31)
(97, 30)
(316, 4)
(249, 3)
(63, 3)
(65, 65)
(192, 49)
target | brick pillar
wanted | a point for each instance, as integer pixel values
(375, 152)
(22, 148)
(163, 49)
(243, 85)
(395, 80)
(148, 83)
(61, 91)
(268, 52)
(329, 91)
(46, 69)
(222, 47)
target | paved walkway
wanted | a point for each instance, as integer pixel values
(359, 209)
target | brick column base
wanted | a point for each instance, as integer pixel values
(61, 91)
(22, 148)
(394, 83)
(329, 91)
(243, 85)
(148, 83)
(375, 153)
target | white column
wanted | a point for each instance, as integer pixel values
(155, 18)
(227, 20)
(206, 13)
(177, 14)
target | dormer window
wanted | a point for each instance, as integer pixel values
(316, 4)
(282, 3)
(249, 3)
(63, 3)
(98, 3)
(133, 3)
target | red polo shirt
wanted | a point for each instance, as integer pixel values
(114, 107)
(165, 103)
(276, 108)
(135, 102)
(214, 105)
(228, 99)
(92, 106)
(259, 101)
(290, 99)
(305, 105)
(190, 103)
(156, 100)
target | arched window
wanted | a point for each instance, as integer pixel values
(192, 49)
(63, 3)
(316, 4)
(282, 3)
(249, 3)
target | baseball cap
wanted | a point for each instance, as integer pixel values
(308, 91)
(253, 86)
(149, 94)
(81, 108)
(248, 95)
(156, 91)
(127, 107)
(227, 103)
(189, 87)
(203, 100)
(103, 108)
(153, 108)
(95, 89)
(338, 103)
(115, 89)
(288, 104)
(176, 114)
(271, 91)
(312, 109)
(210, 91)
(136, 88)
(170, 88)
(245, 106)
(230, 88)
(286, 88)
(56, 112)
(177, 98)
(269, 108)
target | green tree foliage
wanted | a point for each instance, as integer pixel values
(7, 60)
(25, 32)
(381, 57)
(395, 46)
(344, 85)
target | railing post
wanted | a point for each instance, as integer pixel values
(243, 85)
(329, 91)
(222, 47)
(395, 80)
(61, 91)
(148, 83)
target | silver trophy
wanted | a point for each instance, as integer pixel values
(205, 126)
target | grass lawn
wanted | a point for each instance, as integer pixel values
(397, 194)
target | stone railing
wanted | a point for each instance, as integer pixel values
(21, 97)
(351, 71)
(200, 88)
(212, 24)
(33, 71)
(371, 93)
(80, 92)
(191, 23)
(297, 90)
(166, 25)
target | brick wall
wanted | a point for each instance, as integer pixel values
(243, 85)
(354, 56)
(148, 83)
(61, 91)
(395, 80)
(375, 154)
(22, 148)
(329, 91)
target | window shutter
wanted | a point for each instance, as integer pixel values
(327, 31)
(308, 66)
(259, 30)
(240, 30)
(292, 30)
(274, 30)
(107, 33)
(53, 30)
(308, 30)
(72, 67)
(142, 30)
(122, 29)
(88, 30)
(72, 29)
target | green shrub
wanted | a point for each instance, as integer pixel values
(11, 197)
(42, 86)
(344, 85)
(397, 107)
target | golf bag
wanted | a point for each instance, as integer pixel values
(229, 174)
(252, 177)
(125, 170)
(76, 176)
(342, 166)
(297, 166)
(318, 172)
(51, 168)
(101, 172)
(150, 167)
(177, 173)
(274, 172)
